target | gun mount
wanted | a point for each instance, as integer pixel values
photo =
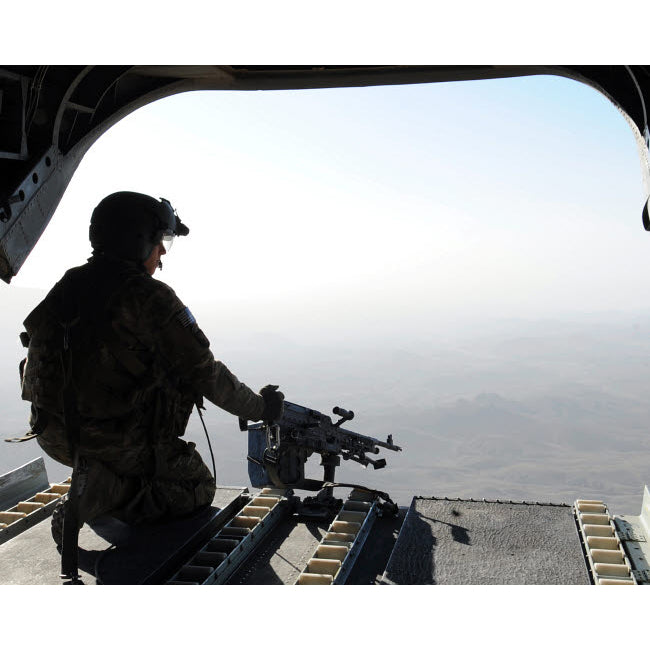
(278, 451)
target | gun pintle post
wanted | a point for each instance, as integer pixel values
(285, 447)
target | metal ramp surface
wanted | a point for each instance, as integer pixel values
(454, 541)
(112, 553)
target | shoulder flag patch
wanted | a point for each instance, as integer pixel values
(185, 317)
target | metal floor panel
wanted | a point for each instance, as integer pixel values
(31, 558)
(369, 567)
(283, 555)
(448, 541)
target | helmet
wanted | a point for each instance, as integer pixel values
(129, 225)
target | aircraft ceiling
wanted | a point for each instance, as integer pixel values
(51, 115)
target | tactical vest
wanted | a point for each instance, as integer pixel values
(70, 332)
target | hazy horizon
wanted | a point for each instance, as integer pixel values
(526, 410)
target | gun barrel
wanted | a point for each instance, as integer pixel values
(379, 443)
(369, 442)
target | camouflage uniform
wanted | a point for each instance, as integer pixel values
(139, 362)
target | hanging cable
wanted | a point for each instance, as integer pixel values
(34, 96)
(199, 408)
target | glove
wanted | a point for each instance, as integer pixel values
(273, 403)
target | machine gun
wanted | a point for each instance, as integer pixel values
(277, 452)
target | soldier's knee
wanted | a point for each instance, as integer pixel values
(204, 493)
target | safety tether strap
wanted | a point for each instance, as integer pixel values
(36, 430)
(314, 485)
(71, 421)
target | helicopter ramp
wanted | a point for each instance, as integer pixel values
(455, 541)
(112, 553)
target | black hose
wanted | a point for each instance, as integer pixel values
(214, 468)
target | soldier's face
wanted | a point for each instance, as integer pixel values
(151, 263)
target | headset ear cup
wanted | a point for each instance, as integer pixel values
(645, 217)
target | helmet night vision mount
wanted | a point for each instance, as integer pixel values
(129, 225)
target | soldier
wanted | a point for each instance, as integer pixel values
(115, 364)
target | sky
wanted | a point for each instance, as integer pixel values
(378, 211)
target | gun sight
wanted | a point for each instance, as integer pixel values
(343, 414)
